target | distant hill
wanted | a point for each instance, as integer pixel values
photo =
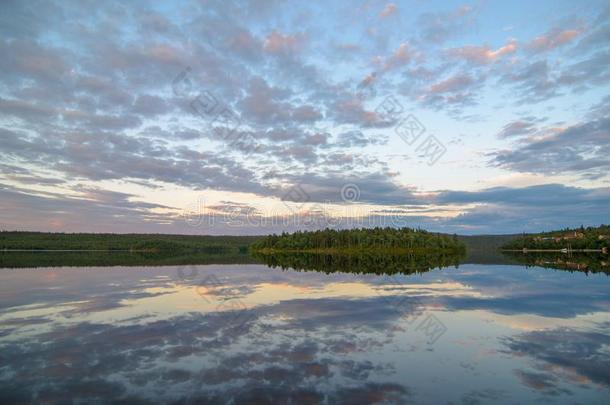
(486, 242)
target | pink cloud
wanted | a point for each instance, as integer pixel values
(452, 84)
(553, 39)
(165, 53)
(276, 42)
(388, 10)
(401, 56)
(483, 55)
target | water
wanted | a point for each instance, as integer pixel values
(246, 333)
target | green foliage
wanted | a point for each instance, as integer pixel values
(119, 258)
(577, 238)
(124, 242)
(581, 262)
(360, 264)
(361, 238)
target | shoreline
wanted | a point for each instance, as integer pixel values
(526, 250)
(353, 251)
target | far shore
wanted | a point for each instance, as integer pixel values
(565, 250)
(81, 250)
(354, 251)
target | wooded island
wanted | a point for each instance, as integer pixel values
(360, 240)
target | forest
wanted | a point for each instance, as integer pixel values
(39, 258)
(125, 242)
(576, 238)
(403, 240)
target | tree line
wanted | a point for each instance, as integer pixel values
(577, 238)
(360, 238)
(117, 242)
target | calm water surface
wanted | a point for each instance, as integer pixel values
(246, 333)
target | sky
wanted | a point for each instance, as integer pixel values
(250, 117)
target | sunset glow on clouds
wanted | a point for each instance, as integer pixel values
(109, 115)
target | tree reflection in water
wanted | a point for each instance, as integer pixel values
(361, 263)
(581, 262)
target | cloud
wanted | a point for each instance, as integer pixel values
(358, 139)
(104, 210)
(306, 114)
(94, 95)
(288, 370)
(451, 94)
(452, 84)
(581, 149)
(539, 81)
(534, 81)
(103, 155)
(482, 55)
(388, 10)
(587, 73)
(525, 209)
(553, 39)
(597, 35)
(264, 104)
(246, 45)
(277, 42)
(150, 105)
(542, 194)
(375, 188)
(29, 60)
(352, 110)
(401, 56)
(517, 128)
(440, 26)
(571, 350)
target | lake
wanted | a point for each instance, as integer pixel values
(247, 333)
